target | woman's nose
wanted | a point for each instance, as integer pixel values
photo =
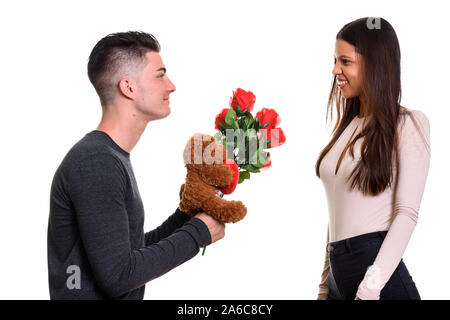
(337, 69)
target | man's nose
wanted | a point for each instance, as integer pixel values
(171, 87)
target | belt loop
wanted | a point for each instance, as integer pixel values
(348, 246)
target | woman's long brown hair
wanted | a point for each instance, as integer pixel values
(381, 90)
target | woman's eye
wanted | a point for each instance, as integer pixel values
(345, 61)
(161, 75)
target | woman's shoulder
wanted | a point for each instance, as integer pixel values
(414, 124)
(414, 117)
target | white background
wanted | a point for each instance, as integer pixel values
(283, 52)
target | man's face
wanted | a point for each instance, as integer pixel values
(154, 88)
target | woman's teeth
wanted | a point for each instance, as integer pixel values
(341, 83)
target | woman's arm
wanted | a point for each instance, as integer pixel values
(324, 286)
(414, 162)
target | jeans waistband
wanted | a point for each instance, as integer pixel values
(346, 245)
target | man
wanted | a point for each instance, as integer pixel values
(97, 248)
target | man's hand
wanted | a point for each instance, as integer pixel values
(181, 190)
(216, 228)
(322, 296)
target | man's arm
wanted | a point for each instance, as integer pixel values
(97, 190)
(175, 221)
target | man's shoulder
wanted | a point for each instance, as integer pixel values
(92, 149)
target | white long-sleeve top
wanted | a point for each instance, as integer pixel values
(396, 209)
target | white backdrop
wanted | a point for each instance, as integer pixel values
(283, 52)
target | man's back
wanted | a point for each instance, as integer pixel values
(97, 248)
(94, 157)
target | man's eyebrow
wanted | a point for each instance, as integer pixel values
(162, 69)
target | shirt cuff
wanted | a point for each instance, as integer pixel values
(324, 290)
(199, 231)
(371, 286)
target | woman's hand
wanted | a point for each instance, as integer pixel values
(322, 296)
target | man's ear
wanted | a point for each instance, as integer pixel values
(127, 87)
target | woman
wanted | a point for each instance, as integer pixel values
(374, 168)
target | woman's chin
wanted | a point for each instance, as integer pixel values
(347, 95)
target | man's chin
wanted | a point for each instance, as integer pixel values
(163, 114)
(168, 111)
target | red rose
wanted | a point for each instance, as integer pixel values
(275, 135)
(244, 99)
(269, 117)
(233, 166)
(221, 117)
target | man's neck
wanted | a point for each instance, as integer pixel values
(125, 128)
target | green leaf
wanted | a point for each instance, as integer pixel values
(235, 124)
(247, 167)
(262, 141)
(223, 126)
(218, 136)
(230, 117)
(250, 168)
(258, 165)
(264, 125)
(249, 121)
(239, 112)
(244, 175)
(244, 124)
(257, 125)
(260, 154)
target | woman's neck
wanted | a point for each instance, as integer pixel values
(362, 108)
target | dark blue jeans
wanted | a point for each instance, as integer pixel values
(349, 260)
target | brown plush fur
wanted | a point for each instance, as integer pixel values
(202, 179)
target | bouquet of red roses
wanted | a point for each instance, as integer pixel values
(247, 137)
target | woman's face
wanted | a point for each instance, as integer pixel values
(347, 69)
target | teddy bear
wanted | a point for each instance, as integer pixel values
(209, 170)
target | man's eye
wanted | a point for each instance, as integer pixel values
(335, 60)
(161, 75)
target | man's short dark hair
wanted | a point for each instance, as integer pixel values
(117, 55)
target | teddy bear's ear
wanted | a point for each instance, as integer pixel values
(203, 149)
(193, 150)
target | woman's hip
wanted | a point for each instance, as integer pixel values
(349, 260)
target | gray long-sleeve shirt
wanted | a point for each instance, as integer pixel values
(96, 245)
